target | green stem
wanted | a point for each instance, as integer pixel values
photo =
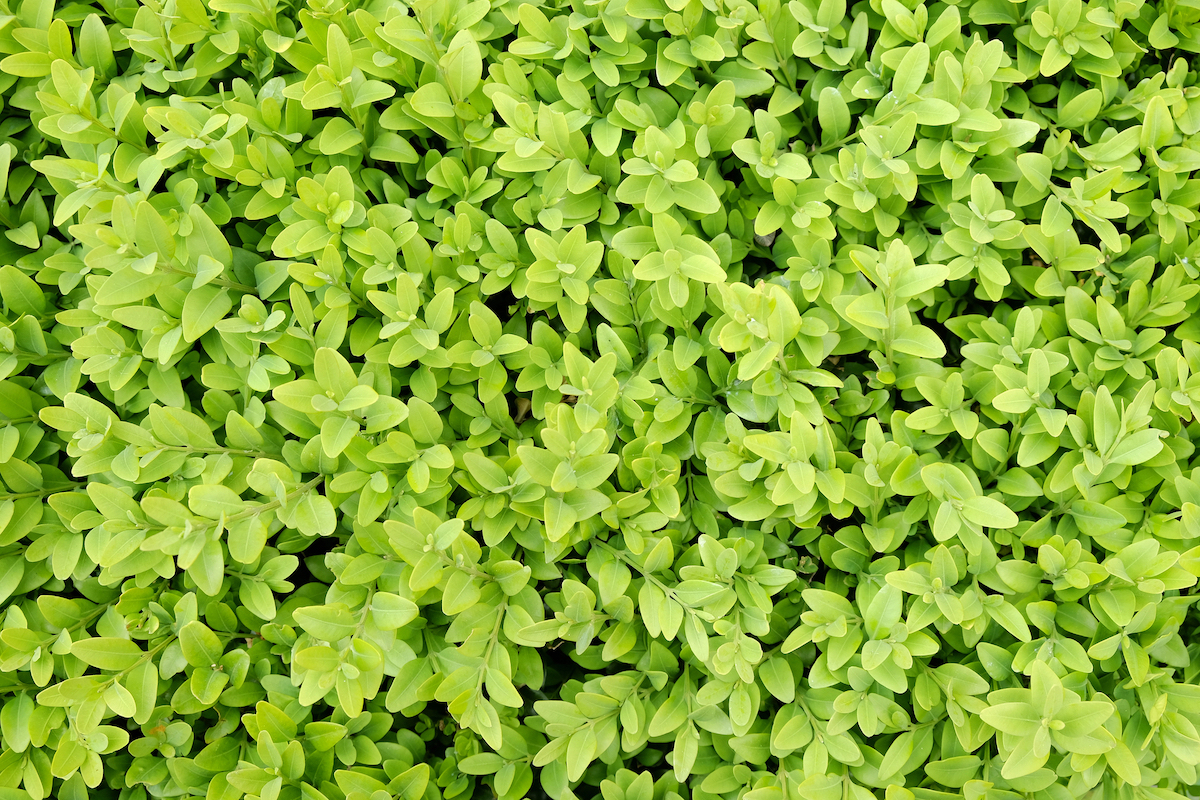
(213, 451)
(667, 590)
(24, 495)
(219, 281)
(148, 655)
(252, 511)
(855, 134)
(92, 118)
(491, 645)
(1014, 442)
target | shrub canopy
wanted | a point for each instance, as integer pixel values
(607, 399)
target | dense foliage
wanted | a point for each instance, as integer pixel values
(599, 399)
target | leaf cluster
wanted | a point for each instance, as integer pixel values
(599, 400)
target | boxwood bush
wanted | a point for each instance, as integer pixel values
(599, 399)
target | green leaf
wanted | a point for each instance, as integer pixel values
(20, 293)
(128, 286)
(201, 647)
(108, 653)
(777, 676)
(432, 100)
(204, 308)
(833, 114)
(339, 136)
(988, 512)
(912, 70)
(330, 623)
(462, 65)
(697, 196)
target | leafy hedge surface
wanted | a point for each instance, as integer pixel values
(621, 399)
